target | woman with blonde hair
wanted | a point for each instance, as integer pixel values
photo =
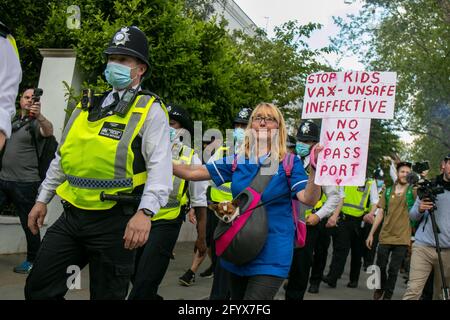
(265, 138)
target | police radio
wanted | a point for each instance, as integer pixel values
(125, 103)
(86, 99)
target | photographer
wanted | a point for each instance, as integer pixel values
(19, 172)
(424, 254)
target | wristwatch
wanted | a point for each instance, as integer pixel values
(148, 213)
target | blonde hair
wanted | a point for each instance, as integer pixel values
(278, 149)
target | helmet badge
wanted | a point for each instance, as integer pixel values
(243, 114)
(306, 128)
(121, 37)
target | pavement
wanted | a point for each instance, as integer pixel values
(12, 284)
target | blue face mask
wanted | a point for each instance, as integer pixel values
(302, 149)
(118, 75)
(380, 183)
(172, 134)
(239, 135)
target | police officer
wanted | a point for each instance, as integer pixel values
(314, 253)
(116, 143)
(153, 259)
(349, 232)
(10, 78)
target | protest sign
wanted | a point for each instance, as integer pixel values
(357, 94)
(343, 160)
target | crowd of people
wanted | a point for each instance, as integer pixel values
(128, 178)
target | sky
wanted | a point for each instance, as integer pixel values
(267, 14)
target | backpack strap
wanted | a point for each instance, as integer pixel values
(288, 164)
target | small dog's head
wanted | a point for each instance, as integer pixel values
(225, 210)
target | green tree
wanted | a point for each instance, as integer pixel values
(194, 62)
(411, 38)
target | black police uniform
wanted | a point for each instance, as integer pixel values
(308, 262)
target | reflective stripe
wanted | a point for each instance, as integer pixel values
(223, 188)
(75, 113)
(363, 198)
(353, 206)
(89, 183)
(120, 164)
(143, 100)
(172, 204)
(176, 193)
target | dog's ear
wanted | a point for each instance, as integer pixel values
(213, 206)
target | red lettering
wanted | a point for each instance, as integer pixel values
(341, 123)
(375, 77)
(357, 151)
(354, 165)
(343, 170)
(381, 108)
(311, 91)
(391, 91)
(353, 135)
(329, 137)
(326, 152)
(340, 136)
(323, 169)
(353, 124)
(348, 76)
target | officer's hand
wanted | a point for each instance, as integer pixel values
(369, 218)
(332, 222)
(200, 246)
(425, 205)
(35, 109)
(137, 231)
(312, 219)
(369, 241)
(36, 217)
(191, 216)
(2, 140)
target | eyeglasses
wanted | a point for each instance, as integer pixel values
(268, 120)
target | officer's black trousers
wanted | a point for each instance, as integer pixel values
(320, 253)
(348, 236)
(153, 259)
(80, 237)
(303, 260)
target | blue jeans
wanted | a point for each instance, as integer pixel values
(23, 196)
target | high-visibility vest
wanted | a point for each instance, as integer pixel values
(97, 155)
(355, 200)
(317, 206)
(13, 44)
(183, 155)
(4, 32)
(222, 192)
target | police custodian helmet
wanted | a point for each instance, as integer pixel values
(308, 131)
(182, 116)
(243, 116)
(129, 41)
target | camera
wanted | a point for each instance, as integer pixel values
(420, 167)
(36, 98)
(426, 189)
(37, 94)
